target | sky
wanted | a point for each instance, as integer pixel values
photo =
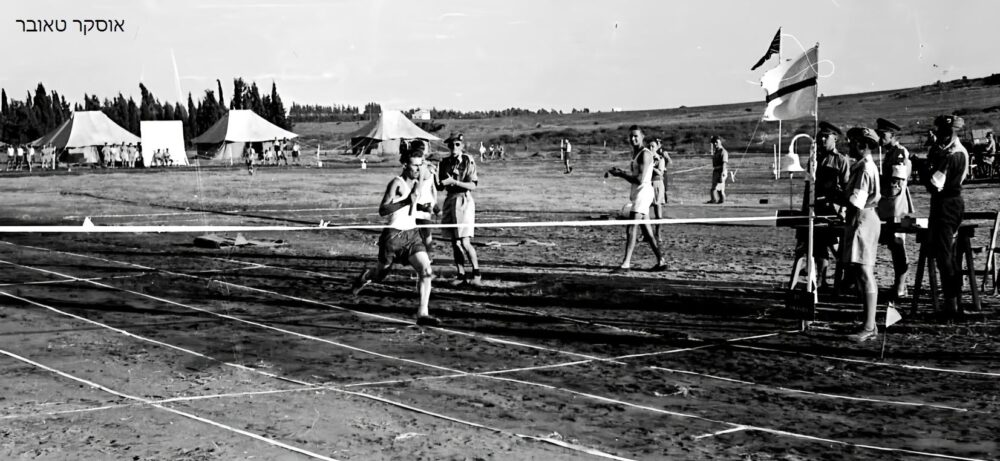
(481, 55)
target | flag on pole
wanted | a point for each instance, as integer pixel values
(775, 47)
(791, 87)
(891, 316)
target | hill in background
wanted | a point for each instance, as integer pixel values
(688, 129)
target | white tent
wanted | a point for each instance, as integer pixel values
(383, 134)
(236, 128)
(167, 135)
(87, 129)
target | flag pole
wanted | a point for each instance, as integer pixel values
(810, 261)
(777, 158)
(881, 354)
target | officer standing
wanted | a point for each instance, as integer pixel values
(896, 201)
(947, 166)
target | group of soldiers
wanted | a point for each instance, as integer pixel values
(495, 151)
(853, 189)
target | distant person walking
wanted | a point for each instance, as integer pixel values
(296, 150)
(947, 166)
(896, 201)
(566, 153)
(458, 176)
(482, 151)
(249, 155)
(640, 176)
(720, 163)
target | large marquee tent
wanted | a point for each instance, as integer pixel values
(84, 132)
(227, 138)
(383, 134)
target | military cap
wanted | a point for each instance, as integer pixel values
(454, 138)
(885, 125)
(954, 121)
(862, 133)
(829, 128)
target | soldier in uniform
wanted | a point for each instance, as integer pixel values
(861, 233)
(947, 165)
(457, 176)
(896, 201)
(832, 175)
(988, 153)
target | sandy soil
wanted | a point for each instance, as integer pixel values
(139, 346)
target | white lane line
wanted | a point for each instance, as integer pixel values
(185, 414)
(868, 362)
(309, 386)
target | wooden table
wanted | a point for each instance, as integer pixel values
(963, 245)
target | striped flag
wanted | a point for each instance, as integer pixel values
(775, 47)
(791, 87)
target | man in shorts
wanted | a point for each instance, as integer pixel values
(720, 162)
(863, 224)
(895, 202)
(567, 156)
(400, 240)
(640, 176)
(457, 175)
(660, 162)
(249, 157)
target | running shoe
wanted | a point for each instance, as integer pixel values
(428, 321)
(361, 282)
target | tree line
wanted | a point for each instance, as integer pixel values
(23, 121)
(348, 113)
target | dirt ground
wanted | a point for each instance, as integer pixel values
(144, 346)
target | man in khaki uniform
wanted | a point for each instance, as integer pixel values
(896, 201)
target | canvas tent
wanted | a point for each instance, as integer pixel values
(230, 134)
(383, 134)
(168, 135)
(84, 131)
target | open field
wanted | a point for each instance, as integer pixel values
(687, 129)
(143, 346)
